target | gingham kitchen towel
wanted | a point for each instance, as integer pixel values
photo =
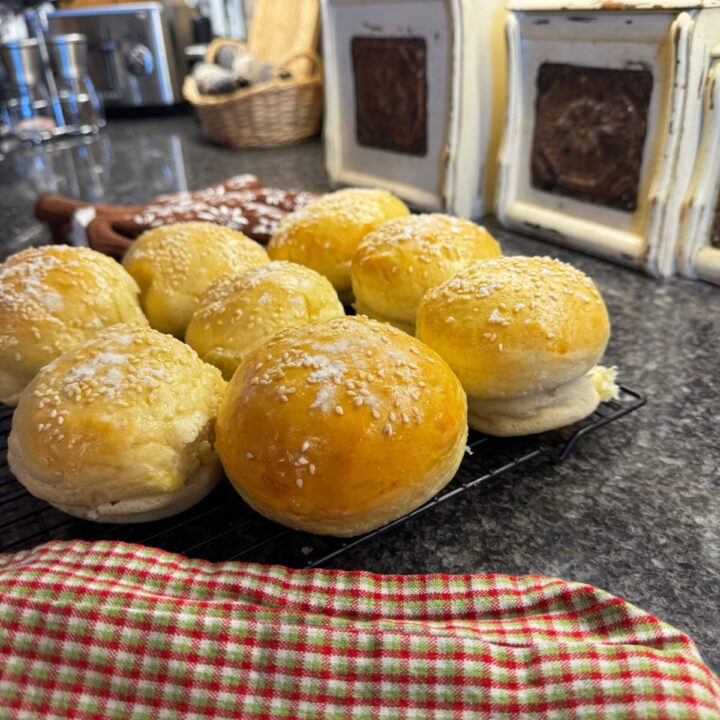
(110, 630)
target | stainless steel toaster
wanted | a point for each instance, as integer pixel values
(135, 51)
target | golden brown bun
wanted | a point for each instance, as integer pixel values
(395, 265)
(339, 427)
(240, 312)
(175, 264)
(520, 329)
(119, 429)
(325, 233)
(52, 299)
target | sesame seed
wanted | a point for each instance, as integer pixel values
(299, 482)
(312, 469)
(338, 410)
(375, 413)
(388, 429)
(405, 418)
(393, 416)
(306, 446)
(358, 401)
(302, 461)
(249, 456)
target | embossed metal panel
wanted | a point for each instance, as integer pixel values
(590, 132)
(390, 76)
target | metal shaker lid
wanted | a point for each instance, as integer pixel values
(21, 59)
(68, 55)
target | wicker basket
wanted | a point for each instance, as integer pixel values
(280, 111)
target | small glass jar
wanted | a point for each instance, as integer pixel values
(81, 106)
(28, 110)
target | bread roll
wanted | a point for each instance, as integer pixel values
(52, 299)
(339, 427)
(240, 312)
(175, 264)
(395, 265)
(521, 333)
(120, 429)
(326, 232)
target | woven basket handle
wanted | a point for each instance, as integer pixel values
(282, 67)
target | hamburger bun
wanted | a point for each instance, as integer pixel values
(120, 429)
(325, 233)
(395, 265)
(52, 299)
(175, 264)
(522, 334)
(339, 427)
(240, 312)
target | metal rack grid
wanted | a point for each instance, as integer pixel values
(223, 527)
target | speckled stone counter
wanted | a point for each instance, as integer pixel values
(635, 510)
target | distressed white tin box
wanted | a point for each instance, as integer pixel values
(414, 94)
(604, 123)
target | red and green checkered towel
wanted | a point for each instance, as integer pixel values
(110, 630)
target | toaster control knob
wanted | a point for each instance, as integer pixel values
(139, 60)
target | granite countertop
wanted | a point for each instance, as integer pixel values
(635, 510)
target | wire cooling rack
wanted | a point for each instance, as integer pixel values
(223, 527)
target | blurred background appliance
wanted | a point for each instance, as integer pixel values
(135, 51)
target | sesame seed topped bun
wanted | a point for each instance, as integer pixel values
(522, 334)
(395, 265)
(52, 299)
(324, 234)
(175, 264)
(339, 427)
(119, 429)
(239, 312)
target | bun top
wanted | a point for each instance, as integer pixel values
(395, 265)
(174, 264)
(516, 325)
(125, 415)
(238, 312)
(325, 233)
(53, 298)
(337, 420)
